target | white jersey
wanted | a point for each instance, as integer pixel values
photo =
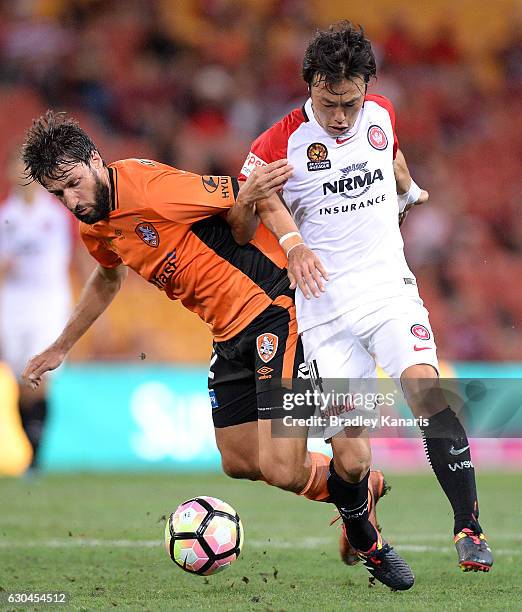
(37, 241)
(342, 195)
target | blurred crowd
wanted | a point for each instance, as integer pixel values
(192, 83)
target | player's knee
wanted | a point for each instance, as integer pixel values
(353, 468)
(240, 468)
(419, 370)
(421, 388)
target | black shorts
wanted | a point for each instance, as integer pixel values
(245, 368)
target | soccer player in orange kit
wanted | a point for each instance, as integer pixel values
(175, 229)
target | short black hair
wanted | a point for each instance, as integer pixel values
(54, 143)
(341, 52)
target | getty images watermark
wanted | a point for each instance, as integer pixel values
(487, 407)
(344, 409)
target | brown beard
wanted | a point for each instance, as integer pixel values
(102, 204)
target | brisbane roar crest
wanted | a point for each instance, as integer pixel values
(148, 233)
(267, 346)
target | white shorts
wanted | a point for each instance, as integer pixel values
(394, 333)
(23, 338)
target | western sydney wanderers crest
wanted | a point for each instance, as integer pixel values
(267, 346)
(317, 153)
(148, 233)
(420, 332)
(377, 138)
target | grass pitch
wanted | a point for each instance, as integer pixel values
(99, 538)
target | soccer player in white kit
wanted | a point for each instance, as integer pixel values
(35, 295)
(343, 198)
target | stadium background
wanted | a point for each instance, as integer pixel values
(191, 83)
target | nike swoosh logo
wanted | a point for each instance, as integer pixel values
(459, 451)
(421, 348)
(342, 140)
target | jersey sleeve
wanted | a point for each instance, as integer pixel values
(260, 155)
(386, 104)
(272, 144)
(99, 249)
(184, 197)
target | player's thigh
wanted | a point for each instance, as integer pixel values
(401, 336)
(336, 351)
(279, 361)
(339, 364)
(15, 346)
(233, 401)
(277, 353)
(23, 338)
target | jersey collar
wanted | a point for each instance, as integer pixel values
(113, 187)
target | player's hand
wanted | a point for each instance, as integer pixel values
(44, 362)
(423, 198)
(306, 271)
(263, 181)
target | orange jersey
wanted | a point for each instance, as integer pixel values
(167, 225)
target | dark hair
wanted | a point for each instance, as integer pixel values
(342, 52)
(53, 144)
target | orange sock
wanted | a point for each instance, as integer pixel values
(316, 488)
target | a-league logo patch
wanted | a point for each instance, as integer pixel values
(420, 332)
(148, 233)
(267, 346)
(317, 153)
(377, 138)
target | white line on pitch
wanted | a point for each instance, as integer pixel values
(304, 543)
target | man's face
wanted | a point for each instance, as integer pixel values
(336, 107)
(83, 190)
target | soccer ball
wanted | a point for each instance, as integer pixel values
(204, 535)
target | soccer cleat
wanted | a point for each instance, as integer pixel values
(377, 488)
(386, 566)
(474, 552)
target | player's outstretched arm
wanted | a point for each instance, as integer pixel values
(410, 194)
(98, 293)
(261, 183)
(304, 267)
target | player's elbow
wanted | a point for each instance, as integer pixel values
(113, 276)
(242, 237)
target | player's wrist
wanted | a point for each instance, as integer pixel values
(294, 247)
(243, 199)
(62, 345)
(410, 197)
(289, 241)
